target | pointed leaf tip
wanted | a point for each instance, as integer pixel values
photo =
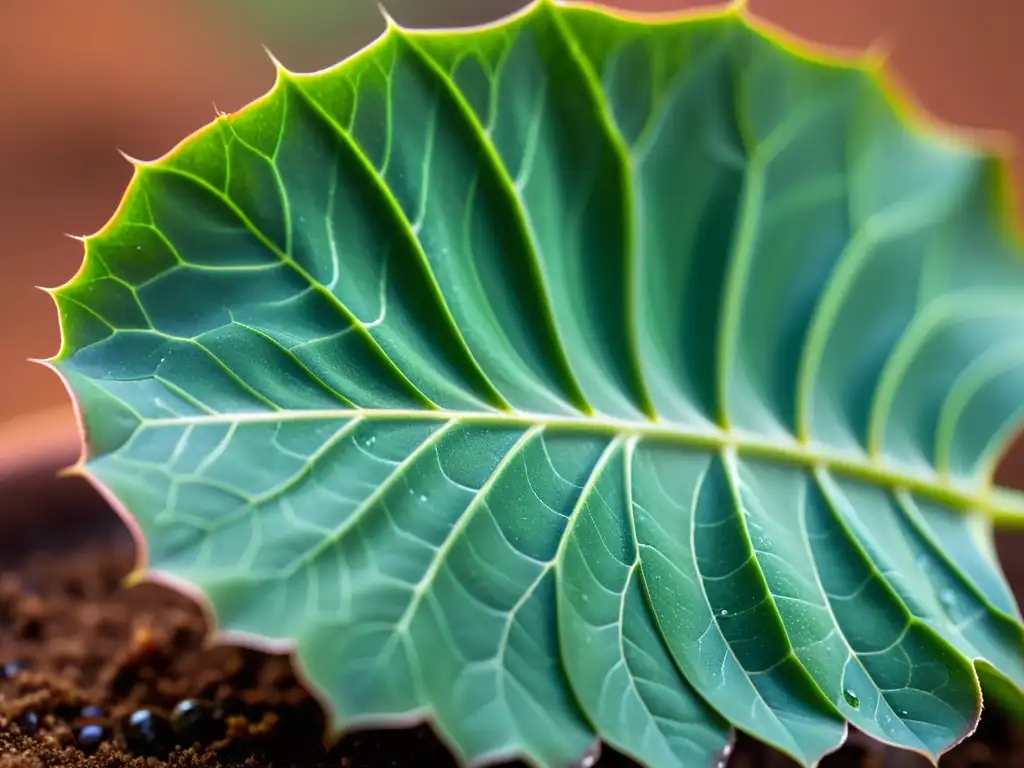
(282, 70)
(74, 470)
(388, 18)
(134, 161)
(879, 52)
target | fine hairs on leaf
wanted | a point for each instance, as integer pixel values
(576, 379)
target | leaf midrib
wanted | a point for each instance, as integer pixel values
(932, 485)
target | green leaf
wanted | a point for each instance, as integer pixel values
(575, 377)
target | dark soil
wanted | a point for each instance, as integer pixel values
(85, 641)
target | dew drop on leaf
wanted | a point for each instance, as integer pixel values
(851, 698)
(723, 612)
(950, 604)
(423, 498)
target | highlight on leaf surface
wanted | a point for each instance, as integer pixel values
(575, 378)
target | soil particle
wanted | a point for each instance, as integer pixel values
(97, 675)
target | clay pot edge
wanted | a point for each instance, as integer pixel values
(39, 442)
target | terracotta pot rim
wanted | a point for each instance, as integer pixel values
(44, 440)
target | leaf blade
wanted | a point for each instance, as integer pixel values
(430, 288)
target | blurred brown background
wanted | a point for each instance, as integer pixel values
(80, 79)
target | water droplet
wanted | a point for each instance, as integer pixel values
(723, 612)
(851, 698)
(947, 598)
(422, 498)
(903, 713)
